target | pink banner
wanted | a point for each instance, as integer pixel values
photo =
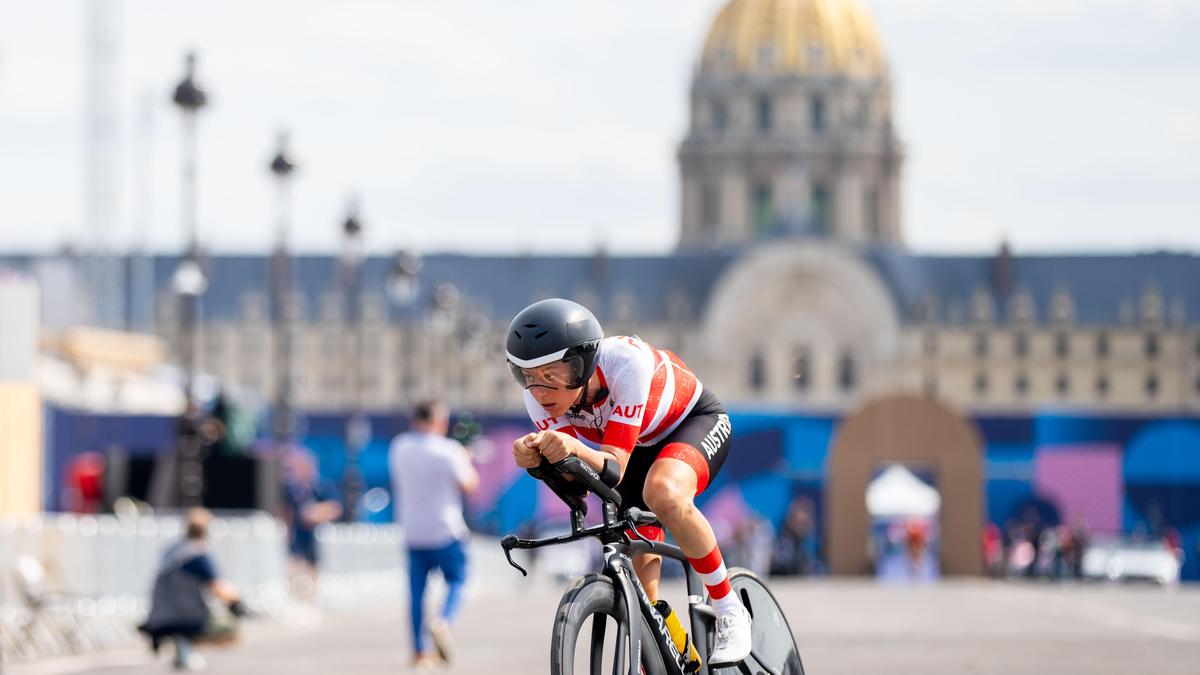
(1084, 481)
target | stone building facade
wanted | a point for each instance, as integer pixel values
(791, 287)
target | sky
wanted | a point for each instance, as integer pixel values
(544, 126)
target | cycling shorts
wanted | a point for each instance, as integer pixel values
(701, 440)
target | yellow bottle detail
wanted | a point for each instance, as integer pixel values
(679, 636)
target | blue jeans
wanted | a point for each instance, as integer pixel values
(452, 561)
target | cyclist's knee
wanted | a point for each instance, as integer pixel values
(668, 497)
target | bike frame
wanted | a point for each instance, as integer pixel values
(620, 542)
(618, 567)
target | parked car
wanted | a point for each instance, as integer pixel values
(1121, 559)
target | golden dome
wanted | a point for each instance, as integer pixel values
(794, 37)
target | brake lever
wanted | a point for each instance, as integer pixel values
(508, 543)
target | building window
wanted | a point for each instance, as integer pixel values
(720, 115)
(981, 345)
(864, 112)
(930, 342)
(1101, 386)
(1021, 345)
(765, 114)
(816, 54)
(1198, 346)
(1062, 385)
(763, 208)
(931, 386)
(1152, 345)
(710, 208)
(871, 214)
(1152, 385)
(370, 385)
(1102, 347)
(1197, 385)
(1062, 345)
(819, 209)
(981, 384)
(846, 373)
(1021, 385)
(801, 370)
(758, 373)
(766, 56)
(816, 112)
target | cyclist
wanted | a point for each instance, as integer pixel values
(662, 437)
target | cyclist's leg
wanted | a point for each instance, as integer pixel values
(670, 488)
(648, 566)
(691, 456)
(688, 461)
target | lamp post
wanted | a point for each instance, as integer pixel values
(403, 286)
(189, 284)
(282, 166)
(189, 98)
(358, 427)
(444, 312)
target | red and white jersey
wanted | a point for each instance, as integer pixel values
(649, 392)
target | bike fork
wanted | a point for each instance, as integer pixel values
(620, 569)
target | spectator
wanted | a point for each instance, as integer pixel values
(795, 549)
(308, 501)
(752, 542)
(430, 474)
(993, 550)
(179, 610)
(919, 562)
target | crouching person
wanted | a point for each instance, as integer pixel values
(185, 584)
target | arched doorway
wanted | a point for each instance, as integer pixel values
(905, 429)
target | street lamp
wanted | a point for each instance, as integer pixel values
(282, 166)
(358, 427)
(402, 283)
(444, 312)
(403, 286)
(189, 284)
(189, 98)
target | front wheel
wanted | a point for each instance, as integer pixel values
(594, 597)
(774, 644)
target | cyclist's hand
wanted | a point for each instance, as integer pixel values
(525, 453)
(554, 446)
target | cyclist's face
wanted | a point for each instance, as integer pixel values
(547, 384)
(550, 376)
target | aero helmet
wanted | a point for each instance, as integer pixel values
(554, 330)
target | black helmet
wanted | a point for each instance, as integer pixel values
(554, 330)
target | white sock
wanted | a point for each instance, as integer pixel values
(727, 604)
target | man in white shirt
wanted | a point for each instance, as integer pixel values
(430, 475)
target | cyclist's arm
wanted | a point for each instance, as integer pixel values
(629, 384)
(573, 446)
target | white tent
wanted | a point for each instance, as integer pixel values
(897, 492)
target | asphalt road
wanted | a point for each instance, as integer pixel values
(842, 627)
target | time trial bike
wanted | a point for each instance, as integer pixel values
(642, 642)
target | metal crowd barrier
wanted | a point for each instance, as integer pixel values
(96, 573)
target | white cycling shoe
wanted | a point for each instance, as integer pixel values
(733, 637)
